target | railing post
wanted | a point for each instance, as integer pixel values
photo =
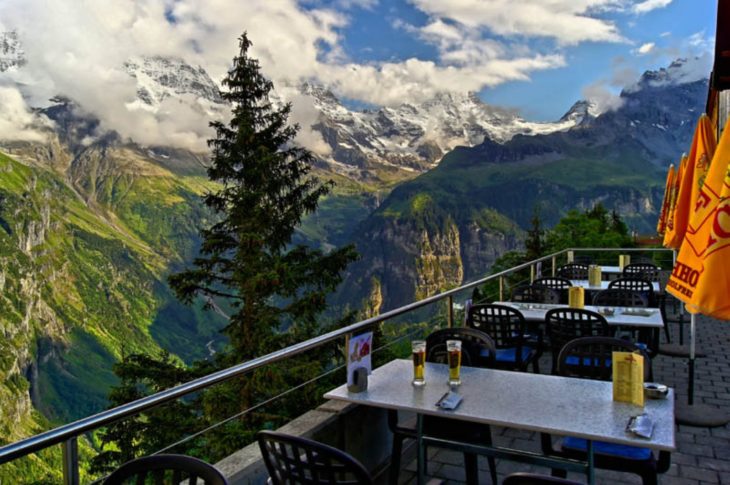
(451, 311)
(553, 269)
(501, 288)
(70, 462)
(532, 273)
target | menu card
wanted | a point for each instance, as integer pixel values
(359, 349)
(628, 377)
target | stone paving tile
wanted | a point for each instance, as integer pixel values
(703, 455)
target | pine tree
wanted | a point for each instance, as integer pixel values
(247, 257)
(534, 243)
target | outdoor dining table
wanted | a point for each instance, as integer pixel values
(604, 285)
(563, 406)
(616, 316)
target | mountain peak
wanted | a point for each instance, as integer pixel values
(161, 77)
(580, 112)
(680, 71)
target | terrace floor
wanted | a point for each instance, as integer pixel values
(702, 456)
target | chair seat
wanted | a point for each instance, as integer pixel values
(603, 448)
(510, 354)
(573, 360)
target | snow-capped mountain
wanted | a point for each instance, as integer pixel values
(11, 53)
(414, 137)
(160, 78)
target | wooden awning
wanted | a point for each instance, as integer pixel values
(721, 69)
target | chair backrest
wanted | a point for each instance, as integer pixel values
(295, 460)
(505, 325)
(648, 271)
(590, 357)
(639, 285)
(168, 469)
(619, 297)
(535, 479)
(553, 282)
(566, 324)
(477, 348)
(535, 294)
(573, 271)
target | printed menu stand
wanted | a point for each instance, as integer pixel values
(628, 377)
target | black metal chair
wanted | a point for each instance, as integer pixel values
(535, 479)
(566, 324)
(506, 326)
(648, 271)
(535, 294)
(166, 469)
(556, 283)
(573, 271)
(477, 350)
(639, 285)
(590, 358)
(619, 297)
(293, 460)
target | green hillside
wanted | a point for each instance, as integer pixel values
(83, 281)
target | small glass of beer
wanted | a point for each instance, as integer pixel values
(419, 362)
(453, 347)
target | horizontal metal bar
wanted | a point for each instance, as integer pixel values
(43, 440)
(502, 452)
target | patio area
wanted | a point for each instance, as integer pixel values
(702, 456)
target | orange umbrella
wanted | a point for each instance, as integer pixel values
(669, 227)
(698, 162)
(701, 277)
(662, 223)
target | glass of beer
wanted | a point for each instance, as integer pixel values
(419, 362)
(453, 348)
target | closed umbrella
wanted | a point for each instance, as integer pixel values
(662, 224)
(701, 277)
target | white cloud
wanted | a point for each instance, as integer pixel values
(17, 121)
(567, 21)
(78, 47)
(602, 97)
(645, 49)
(649, 5)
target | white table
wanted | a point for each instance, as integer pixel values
(558, 405)
(622, 316)
(604, 285)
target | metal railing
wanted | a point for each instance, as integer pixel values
(68, 434)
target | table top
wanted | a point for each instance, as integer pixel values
(622, 316)
(558, 405)
(604, 285)
(617, 269)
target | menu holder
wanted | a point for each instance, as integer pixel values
(628, 377)
(359, 363)
(576, 297)
(623, 261)
(594, 275)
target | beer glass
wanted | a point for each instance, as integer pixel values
(419, 362)
(453, 347)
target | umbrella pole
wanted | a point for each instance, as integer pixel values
(691, 370)
(692, 414)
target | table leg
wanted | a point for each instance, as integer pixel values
(421, 453)
(591, 467)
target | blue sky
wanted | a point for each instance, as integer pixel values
(387, 31)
